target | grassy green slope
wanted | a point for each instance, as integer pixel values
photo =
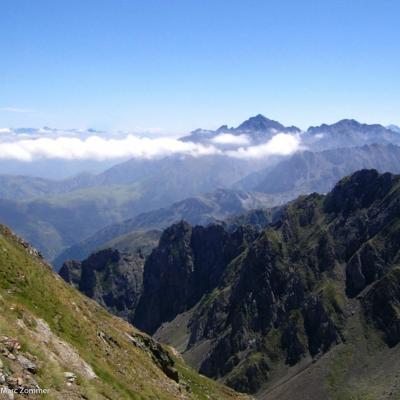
(63, 331)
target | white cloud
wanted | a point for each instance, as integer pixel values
(282, 144)
(54, 144)
(227, 138)
(98, 148)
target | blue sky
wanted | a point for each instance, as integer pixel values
(177, 65)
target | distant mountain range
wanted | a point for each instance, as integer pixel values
(348, 133)
(303, 173)
(202, 210)
(344, 133)
(57, 214)
(307, 172)
(54, 215)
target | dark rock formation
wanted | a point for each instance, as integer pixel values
(71, 272)
(187, 263)
(382, 306)
(112, 278)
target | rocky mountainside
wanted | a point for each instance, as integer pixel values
(306, 308)
(112, 278)
(191, 261)
(58, 344)
(202, 209)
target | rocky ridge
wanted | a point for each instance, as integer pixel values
(252, 307)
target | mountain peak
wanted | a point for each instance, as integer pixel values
(359, 190)
(347, 122)
(259, 123)
(222, 128)
(258, 127)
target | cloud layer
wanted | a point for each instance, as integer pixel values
(282, 144)
(29, 146)
(227, 138)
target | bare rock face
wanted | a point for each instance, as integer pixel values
(382, 305)
(71, 272)
(112, 278)
(190, 262)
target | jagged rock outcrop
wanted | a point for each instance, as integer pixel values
(71, 272)
(285, 297)
(113, 278)
(382, 306)
(188, 262)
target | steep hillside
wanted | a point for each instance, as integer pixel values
(54, 339)
(202, 209)
(308, 308)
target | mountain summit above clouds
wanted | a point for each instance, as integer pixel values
(258, 129)
(259, 123)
